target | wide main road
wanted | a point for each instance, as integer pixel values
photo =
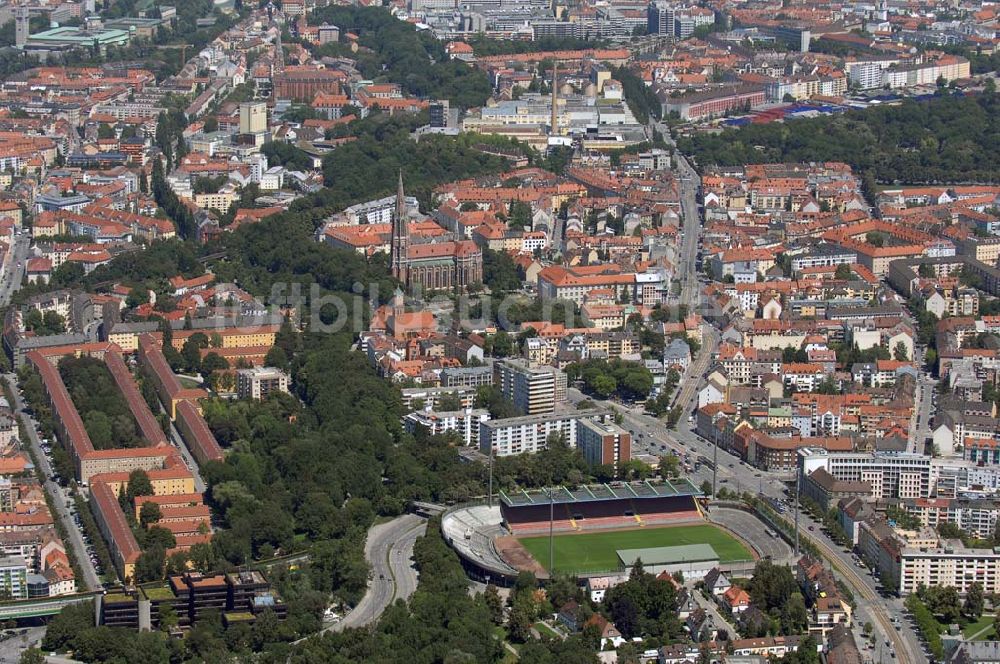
(389, 551)
(687, 392)
(904, 644)
(690, 229)
(14, 266)
(652, 438)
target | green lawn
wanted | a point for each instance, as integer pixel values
(546, 630)
(595, 552)
(981, 630)
(189, 383)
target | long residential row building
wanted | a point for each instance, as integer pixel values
(107, 471)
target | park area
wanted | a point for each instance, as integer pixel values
(582, 553)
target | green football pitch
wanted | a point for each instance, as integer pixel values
(579, 553)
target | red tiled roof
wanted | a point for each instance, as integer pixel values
(62, 406)
(150, 350)
(203, 445)
(148, 424)
(106, 503)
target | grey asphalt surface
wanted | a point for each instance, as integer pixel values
(90, 581)
(11, 649)
(389, 551)
(751, 529)
(920, 429)
(178, 442)
(17, 257)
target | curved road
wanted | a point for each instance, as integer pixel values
(389, 551)
(750, 528)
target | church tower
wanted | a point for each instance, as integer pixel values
(883, 11)
(400, 237)
(22, 27)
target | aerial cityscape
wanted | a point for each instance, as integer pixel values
(501, 332)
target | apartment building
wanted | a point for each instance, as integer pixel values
(466, 376)
(951, 565)
(603, 443)
(534, 390)
(715, 102)
(890, 474)
(975, 516)
(557, 282)
(430, 397)
(259, 382)
(949, 68)
(529, 434)
(823, 255)
(465, 423)
(14, 577)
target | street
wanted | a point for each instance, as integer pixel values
(178, 442)
(90, 580)
(389, 551)
(14, 267)
(873, 607)
(651, 438)
(923, 413)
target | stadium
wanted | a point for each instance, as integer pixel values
(594, 530)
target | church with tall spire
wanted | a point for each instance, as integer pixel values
(400, 236)
(434, 265)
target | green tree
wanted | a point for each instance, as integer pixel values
(670, 466)
(67, 624)
(32, 656)
(212, 363)
(150, 565)
(794, 616)
(502, 344)
(771, 586)
(276, 358)
(138, 485)
(949, 530)
(900, 353)
(149, 514)
(168, 617)
(974, 602)
(191, 355)
(494, 603)
(844, 272)
(520, 618)
(450, 402)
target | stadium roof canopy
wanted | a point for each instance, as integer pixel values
(593, 492)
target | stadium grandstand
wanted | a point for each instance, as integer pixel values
(486, 537)
(472, 532)
(599, 507)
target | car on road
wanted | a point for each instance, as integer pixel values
(812, 528)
